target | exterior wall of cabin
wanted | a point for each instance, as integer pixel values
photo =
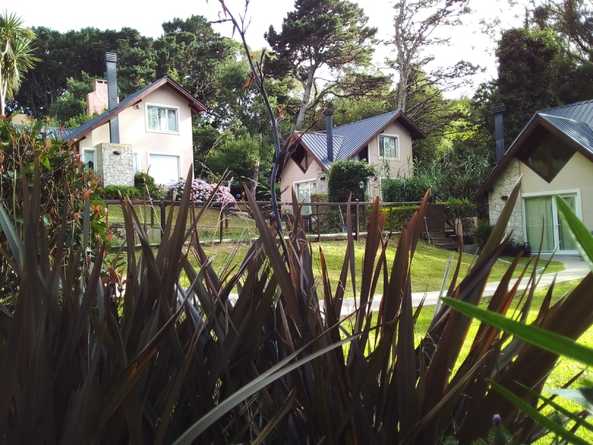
(293, 174)
(134, 131)
(575, 177)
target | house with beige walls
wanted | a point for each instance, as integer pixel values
(551, 156)
(384, 141)
(148, 131)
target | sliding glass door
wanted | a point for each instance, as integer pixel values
(544, 225)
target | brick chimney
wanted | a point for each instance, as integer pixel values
(97, 99)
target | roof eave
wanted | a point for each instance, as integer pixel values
(194, 104)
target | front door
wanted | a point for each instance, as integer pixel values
(304, 190)
(545, 226)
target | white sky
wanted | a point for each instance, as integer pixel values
(468, 41)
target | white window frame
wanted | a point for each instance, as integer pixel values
(306, 210)
(94, 157)
(398, 147)
(157, 153)
(578, 210)
(169, 107)
(137, 161)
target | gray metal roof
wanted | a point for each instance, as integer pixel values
(317, 143)
(575, 120)
(349, 138)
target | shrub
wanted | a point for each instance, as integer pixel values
(397, 217)
(346, 177)
(459, 208)
(25, 156)
(482, 233)
(410, 189)
(147, 187)
(120, 191)
(200, 192)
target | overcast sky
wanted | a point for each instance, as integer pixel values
(467, 41)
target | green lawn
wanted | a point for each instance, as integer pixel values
(428, 267)
(564, 370)
(236, 226)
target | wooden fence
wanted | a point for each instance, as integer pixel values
(321, 219)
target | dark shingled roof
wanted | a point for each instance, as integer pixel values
(350, 138)
(573, 122)
(78, 133)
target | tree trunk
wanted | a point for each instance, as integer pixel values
(308, 87)
(2, 101)
(402, 89)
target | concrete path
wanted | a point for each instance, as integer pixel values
(574, 268)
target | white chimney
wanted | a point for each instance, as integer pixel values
(97, 99)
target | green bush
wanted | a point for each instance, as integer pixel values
(26, 155)
(397, 217)
(410, 189)
(459, 208)
(147, 187)
(347, 177)
(120, 191)
(483, 231)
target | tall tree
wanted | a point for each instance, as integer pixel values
(189, 52)
(416, 23)
(66, 55)
(16, 56)
(320, 35)
(574, 19)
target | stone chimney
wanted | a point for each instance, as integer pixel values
(112, 99)
(329, 132)
(498, 111)
(97, 99)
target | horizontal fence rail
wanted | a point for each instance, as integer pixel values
(321, 220)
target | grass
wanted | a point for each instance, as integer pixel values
(564, 370)
(236, 225)
(428, 267)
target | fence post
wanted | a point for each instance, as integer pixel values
(357, 219)
(163, 208)
(221, 228)
(318, 223)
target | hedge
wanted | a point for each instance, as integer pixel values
(397, 217)
(346, 177)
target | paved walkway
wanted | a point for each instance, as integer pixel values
(574, 269)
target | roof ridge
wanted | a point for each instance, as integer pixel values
(573, 104)
(367, 118)
(560, 117)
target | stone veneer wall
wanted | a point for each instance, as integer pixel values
(115, 164)
(503, 187)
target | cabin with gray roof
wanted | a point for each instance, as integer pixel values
(551, 156)
(384, 141)
(148, 131)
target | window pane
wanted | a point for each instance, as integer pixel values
(565, 238)
(539, 220)
(88, 159)
(172, 120)
(388, 147)
(162, 119)
(153, 119)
